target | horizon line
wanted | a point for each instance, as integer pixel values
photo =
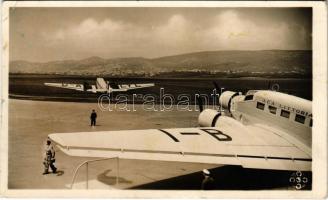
(151, 58)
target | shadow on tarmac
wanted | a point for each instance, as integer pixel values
(110, 180)
(232, 178)
(60, 173)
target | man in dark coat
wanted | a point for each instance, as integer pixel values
(93, 118)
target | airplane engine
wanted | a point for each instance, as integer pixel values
(229, 122)
(225, 99)
(208, 118)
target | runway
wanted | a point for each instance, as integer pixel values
(32, 87)
(31, 121)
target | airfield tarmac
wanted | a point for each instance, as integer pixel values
(31, 121)
(39, 110)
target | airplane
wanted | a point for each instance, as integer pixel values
(262, 129)
(101, 86)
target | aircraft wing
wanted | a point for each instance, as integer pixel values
(78, 87)
(126, 87)
(249, 148)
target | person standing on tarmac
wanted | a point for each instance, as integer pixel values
(208, 181)
(93, 118)
(49, 158)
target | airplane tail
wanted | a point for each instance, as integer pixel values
(101, 84)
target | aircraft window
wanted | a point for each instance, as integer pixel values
(311, 123)
(260, 105)
(300, 118)
(272, 109)
(249, 97)
(285, 113)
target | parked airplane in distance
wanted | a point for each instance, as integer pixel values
(262, 129)
(101, 86)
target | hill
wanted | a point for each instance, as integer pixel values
(296, 63)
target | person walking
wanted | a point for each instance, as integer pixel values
(93, 118)
(208, 181)
(49, 158)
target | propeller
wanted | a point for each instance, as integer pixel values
(219, 89)
(200, 103)
(269, 85)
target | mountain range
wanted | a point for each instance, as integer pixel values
(238, 63)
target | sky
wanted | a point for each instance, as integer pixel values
(48, 34)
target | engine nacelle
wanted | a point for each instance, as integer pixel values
(229, 123)
(225, 99)
(208, 118)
